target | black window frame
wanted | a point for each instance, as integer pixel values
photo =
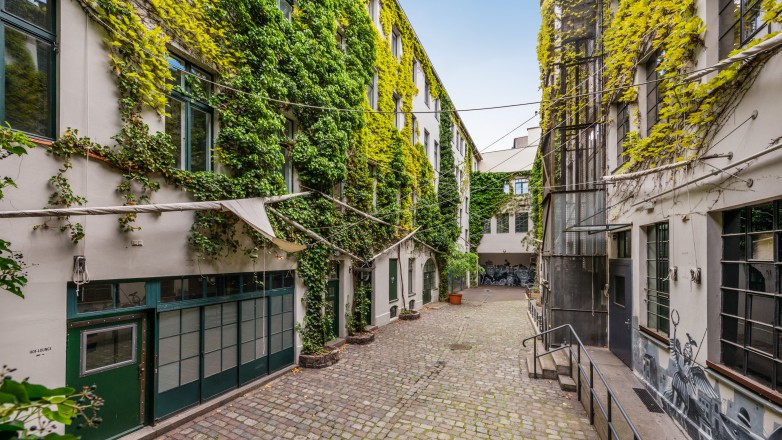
(521, 222)
(729, 18)
(750, 293)
(286, 12)
(622, 128)
(503, 223)
(652, 92)
(48, 36)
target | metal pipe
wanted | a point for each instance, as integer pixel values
(770, 149)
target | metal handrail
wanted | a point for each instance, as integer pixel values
(610, 395)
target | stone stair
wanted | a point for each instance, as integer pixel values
(553, 366)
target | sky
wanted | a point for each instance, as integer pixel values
(484, 53)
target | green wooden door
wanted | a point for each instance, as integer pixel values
(332, 302)
(110, 355)
(393, 290)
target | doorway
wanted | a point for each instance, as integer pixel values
(110, 354)
(620, 310)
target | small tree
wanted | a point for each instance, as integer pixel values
(463, 263)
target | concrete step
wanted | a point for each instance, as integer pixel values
(561, 361)
(335, 343)
(566, 383)
(547, 361)
(531, 371)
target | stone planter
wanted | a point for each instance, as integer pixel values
(319, 360)
(409, 316)
(360, 338)
(455, 298)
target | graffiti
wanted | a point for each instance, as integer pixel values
(686, 394)
(507, 275)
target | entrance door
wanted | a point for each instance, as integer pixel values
(332, 302)
(620, 310)
(393, 289)
(429, 275)
(110, 355)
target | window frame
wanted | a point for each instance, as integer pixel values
(396, 43)
(398, 114)
(503, 226)
(83, 371)
(524, 182)
(739, 289)
(427, 93)
(622, 129)
(652, 88)
(521, 222)
(744, 11)
(8, 19)
(190, 102)
(286, 13)
(659, 289)
(414, 131)
(487, 226)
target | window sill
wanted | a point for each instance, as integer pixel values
(656, 336)
(745, 382)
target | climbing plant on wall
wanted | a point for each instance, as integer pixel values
(487, 198)
(261, 62)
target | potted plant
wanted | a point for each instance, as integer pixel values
(409, 315)
(462, 263)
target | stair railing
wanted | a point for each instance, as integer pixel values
(610, 395)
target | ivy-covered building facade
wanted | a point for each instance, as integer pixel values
(322, 131)
(690, 206)
(500, 214)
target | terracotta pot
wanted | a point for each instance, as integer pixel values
(455, 298)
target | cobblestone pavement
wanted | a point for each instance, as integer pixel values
(410, 383)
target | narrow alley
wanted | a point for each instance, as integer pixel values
(458, 372)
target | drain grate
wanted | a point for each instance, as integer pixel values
(460, 347)
(648, 400)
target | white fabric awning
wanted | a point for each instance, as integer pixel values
(251, 211)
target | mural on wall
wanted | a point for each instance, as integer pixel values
(684, 391)
(507, 275)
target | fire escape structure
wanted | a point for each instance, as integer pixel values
(574, 254)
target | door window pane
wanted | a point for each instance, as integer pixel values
(108, 348)
(28, 65)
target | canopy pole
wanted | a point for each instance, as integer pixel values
(312, 234)
(131, 209)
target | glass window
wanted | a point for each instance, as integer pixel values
(396, 43)
(657, 280)
(372, 92)
(739, 22)
(107, 348)
(398, 115)
(410, 269)
(102, 296)
(178, 348)
(414, 135)
(623, 245)
(437, 109)
(415, 71)
(622, 128)
(487, 226)
(28, 63)
(437, 157)
(652, 93)
(426, 143)
(427, 93)
(522, 222)
(286, 6)
(751, 305)
(189, 120)
(503, 223)
(521, 186)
